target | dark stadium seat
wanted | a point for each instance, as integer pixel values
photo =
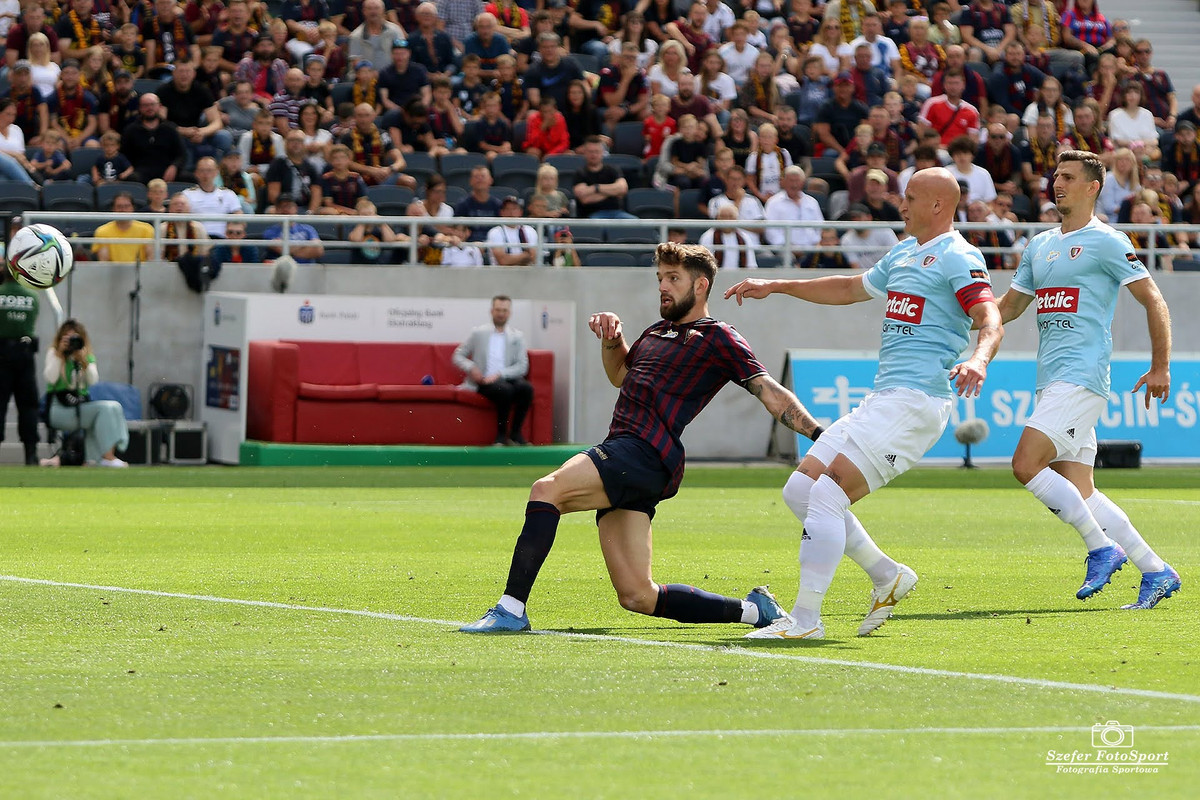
(650, 203)
(147, 85)
(68, 196)
(585, 61)
(456, 167)
(1022, 206)
(18, 197)
(83, 159)
(633, 234)
(566, 164)
(342, 93)
(175, 187)
(631, 168)
(689, 204)
(609, 258)
(390, 195)
(105, 193)
(517, 170)
(628, 139)
(420, 166)
(455, 195)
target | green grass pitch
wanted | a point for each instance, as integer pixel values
(343, 677)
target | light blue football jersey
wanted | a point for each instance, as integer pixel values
(925, 324)
(1075, 279)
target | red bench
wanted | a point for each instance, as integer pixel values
(379, 393)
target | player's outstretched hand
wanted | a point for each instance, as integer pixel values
(968, 377)
(1157, 383)
(754, 288)
(606, 325)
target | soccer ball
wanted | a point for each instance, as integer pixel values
(39, 256)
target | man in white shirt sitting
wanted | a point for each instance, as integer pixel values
(512, 245)
(208, 198)
(884, 53)
(792, 204)
(732, 246)
(739, 56)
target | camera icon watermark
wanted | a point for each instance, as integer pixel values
(1112, 734)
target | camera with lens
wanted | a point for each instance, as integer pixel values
(74, 344)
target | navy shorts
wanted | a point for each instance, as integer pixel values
(632, 472)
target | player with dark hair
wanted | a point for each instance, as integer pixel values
(666, 378)
(935, 284)
(1075, 272)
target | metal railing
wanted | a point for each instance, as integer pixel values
(595, 231)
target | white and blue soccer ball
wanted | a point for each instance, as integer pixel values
(40, 256)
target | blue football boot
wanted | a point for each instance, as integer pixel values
(769, 610)
(1156, 586)
(1101, 564)
(497, 620)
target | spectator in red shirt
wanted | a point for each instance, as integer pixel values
(546, 134)
(658, 126)
(949, 114)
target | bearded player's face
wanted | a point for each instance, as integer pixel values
(676, 293)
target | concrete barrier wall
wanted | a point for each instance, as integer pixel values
(735, 426)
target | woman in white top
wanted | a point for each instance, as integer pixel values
(1051, 103)
(664, 76)
(1133, 126)
(715, 84)
(634, 30)
(13, 165)
(316, 138)
(829, 46)
(43, 71)
(1120, 182)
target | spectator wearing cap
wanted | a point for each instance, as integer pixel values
(876, 159)
(876, 198)
(302, 17)
(732, 246)
(459, 16)
(33, 20)
(553, 75)
(372, 40)
(305, 242)
(792, 204)
(285, 106)
(487, 44)
(839, 116)
(32, 111)
(512, 245)
(118, 106)
(864, 247)
(1182, 158)
(188, 103)
(168, 39)
(235, 37)
(402, 81)
(431, 47)
(152, 143)
(262, 69)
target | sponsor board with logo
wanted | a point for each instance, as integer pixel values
(832, 383)
(232, 321)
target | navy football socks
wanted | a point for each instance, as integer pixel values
(533, 545)
(684, 603)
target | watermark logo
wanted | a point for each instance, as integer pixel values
(1113, 753)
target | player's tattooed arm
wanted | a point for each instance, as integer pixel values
(613, 348)
(783, 405)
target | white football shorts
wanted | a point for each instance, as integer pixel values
(886, 434)
(1068, 414)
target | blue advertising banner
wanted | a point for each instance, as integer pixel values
(831, 383)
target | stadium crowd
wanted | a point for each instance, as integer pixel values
(757, 110)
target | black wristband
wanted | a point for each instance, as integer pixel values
(816, 434)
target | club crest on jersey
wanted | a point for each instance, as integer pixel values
(928, 260)
(1058, 300)
(905, 307)
(1075, 251)
(690, 334)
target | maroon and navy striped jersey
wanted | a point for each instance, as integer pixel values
(674, 371)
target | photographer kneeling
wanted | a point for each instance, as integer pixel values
(70, 370)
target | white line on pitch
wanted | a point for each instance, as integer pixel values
(556, 735)
(766, 653)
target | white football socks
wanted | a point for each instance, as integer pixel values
(859, 546)
(1116, 524)
(749, 613)
(1062, 498)
(822, 550)
(512, 605)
